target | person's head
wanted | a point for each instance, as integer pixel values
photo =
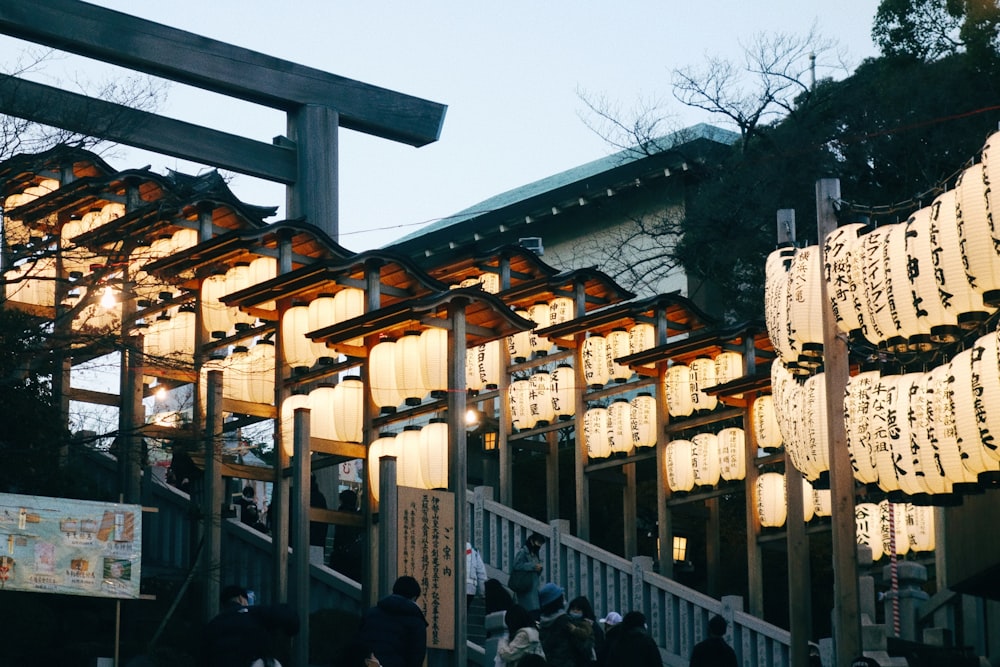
(517, 617)
(612, 619)
(233, 594)
(580, 606)
(717, 626)
(550, 598)
(248, 492)
(358, 654)
(406, 586)
(348, 499)
(864, 661)
(497, 597)
(634, 619)
(535, 541)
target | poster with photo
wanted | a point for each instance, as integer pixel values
(77, 547)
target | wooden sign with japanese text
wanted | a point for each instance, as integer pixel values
(427, 552)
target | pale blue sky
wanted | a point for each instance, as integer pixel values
(509, 73)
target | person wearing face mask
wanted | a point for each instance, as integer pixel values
(529, 560)
(581, 611)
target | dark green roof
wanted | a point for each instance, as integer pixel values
(610, 163)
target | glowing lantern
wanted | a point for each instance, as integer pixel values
(262, 269)
(822, 503)
(705, 459)
(561, 309)
(617, 346)
(921, 253)
(564, 391)
(262, 372)
(876, 319)
(183, 331)
(868, 527)
(680, 465)
(893, 529)
(237, 278)
(595, 364)
(517, 394)
(677, 390)
(842, 286)
(765, 423)
(409, 368)
(349, 303)
(961, 396)
(732, 453)
(776, 301)
(214, 314)
(805, 305)
(641, 337)
(644, 420)
(382, 376)
(298, 350)
(904, 309)
(385, 445)
(856, 406)
(183, 239)
(490, 282)
(434, 360)
(595, 433)
(519, 345)
(234, 380)
(482, 364)
(986, 388)
(920, 527)
(288, 408)
(772, 508)
(540, 398)
(728, 367)
(702, 377)
(620, 426)
(408, 467)
(539, 314)
(321, 315)
(434, 454)
(348, 411)
(964, 301)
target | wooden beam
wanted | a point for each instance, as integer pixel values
(153, 48)
(79, 113)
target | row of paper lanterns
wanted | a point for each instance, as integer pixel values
(685, 384)
(543, 397)
(302, 318)
(336, 413)
(904, 286)
(247, 373)
(421, 456)
(705, 459)
(621, 427)
(407, 369)
(219, 320)
(15, 233)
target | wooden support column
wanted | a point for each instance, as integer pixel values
(631, 537)
(755, 569)
(370, 549)
(664, 520)
(278, 509)
(388, 520)
(301, 471)
(847, 613)
(314, 194)
(458, 464)
(713, 548)
(581, 486)
(552, 475)
(799, 598)
(212, 499)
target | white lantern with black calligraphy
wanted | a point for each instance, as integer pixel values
(974, 455)
(728, 366)
(805, 320)
(856, 406)
(644, 420)
(703, 377)
(772, 507)
(620, 426)
(922, 415)
(490, 282)
(561, 309)
(540, 398)
(920, 527)
(964, 301)
(986, 387)
(677, 391)
(765, 423)
(595, 433)
(921, 257)
(776, 301)
(868, 527)
(978, 233)
(732, 453)
(641, 337)
(705, 459)
(893, 528)
(943, 432)
(822, 504)
(595, 364)
(876, 297)
(617, 346)
(564, 391)
(679, 462)
(519, 345)
(518, 393)
(842, 284)
(539, 314)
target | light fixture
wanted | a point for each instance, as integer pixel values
(108, 298)
(490, 441)
(680, 548)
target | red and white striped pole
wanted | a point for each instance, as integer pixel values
(893, 572)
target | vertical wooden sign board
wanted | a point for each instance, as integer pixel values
(427, 551)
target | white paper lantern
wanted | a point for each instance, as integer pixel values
(822, 504)
(732, 453)
(868, 527)
(409, 368)
(644, 420)
(986, 388)
(263, 268)
(539, 314)
(348, 409)
(595, 365)
(922, 411)
(320, 315)
(702, 377)
(408, 467)
(434, 454)
(262, 372)
(705, 459)
(490, 282)
(322, 418)
(962, 398)
(564, 391)
(964, 301)
(620, 426)
(920, 527)
(977, 233)
(237, 278)
(920, 256)
(805, 320)
(772, 508)
(298, 349)
(234, 381)
(561, 309)
(765, 423)
(728, 367)
(776, 301)
(679, 465)
(677, 390)
(382, 376)
(519, 345)
(617, 346)
(434, 360)
(942, 429)
(482, 364)
(856, 406)
(641, 337)
(518, 394)
(288, 408)
(385, 445)
(893, 528)
(215, 315)
(540, 398)
(595, 433)
(842, 286)
(905, 310)
(877, 323)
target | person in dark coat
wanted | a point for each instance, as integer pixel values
(241, 634)
(628, 643)
(348, 540)
(580, 610)
(317, 529)
(714, 651)
(395, 628)
(565, 641)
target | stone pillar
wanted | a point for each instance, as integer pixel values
(910, 597)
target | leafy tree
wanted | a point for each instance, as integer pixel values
(928, 30)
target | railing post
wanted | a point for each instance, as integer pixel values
(554, 568)
(480, 495)
(640, 566)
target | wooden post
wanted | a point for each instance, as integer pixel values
(313, 128)
(582, 487)
(847, 616)
(755, 569)
(388, 520)
(369, 550)
(631, 540)
(212, 500)
(799, 599)
(664, 520)
(713, 548)
(301, 471)
(457, 469)
(504, 451)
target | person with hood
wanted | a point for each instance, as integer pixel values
(521, 638)
(581, 611)
(243, 633)
(395, 628)
(475, 574)
(630, 644)
(714, 651)
(527, 559)
(566, 642)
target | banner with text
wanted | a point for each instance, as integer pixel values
(427, 552)
(61, 545)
